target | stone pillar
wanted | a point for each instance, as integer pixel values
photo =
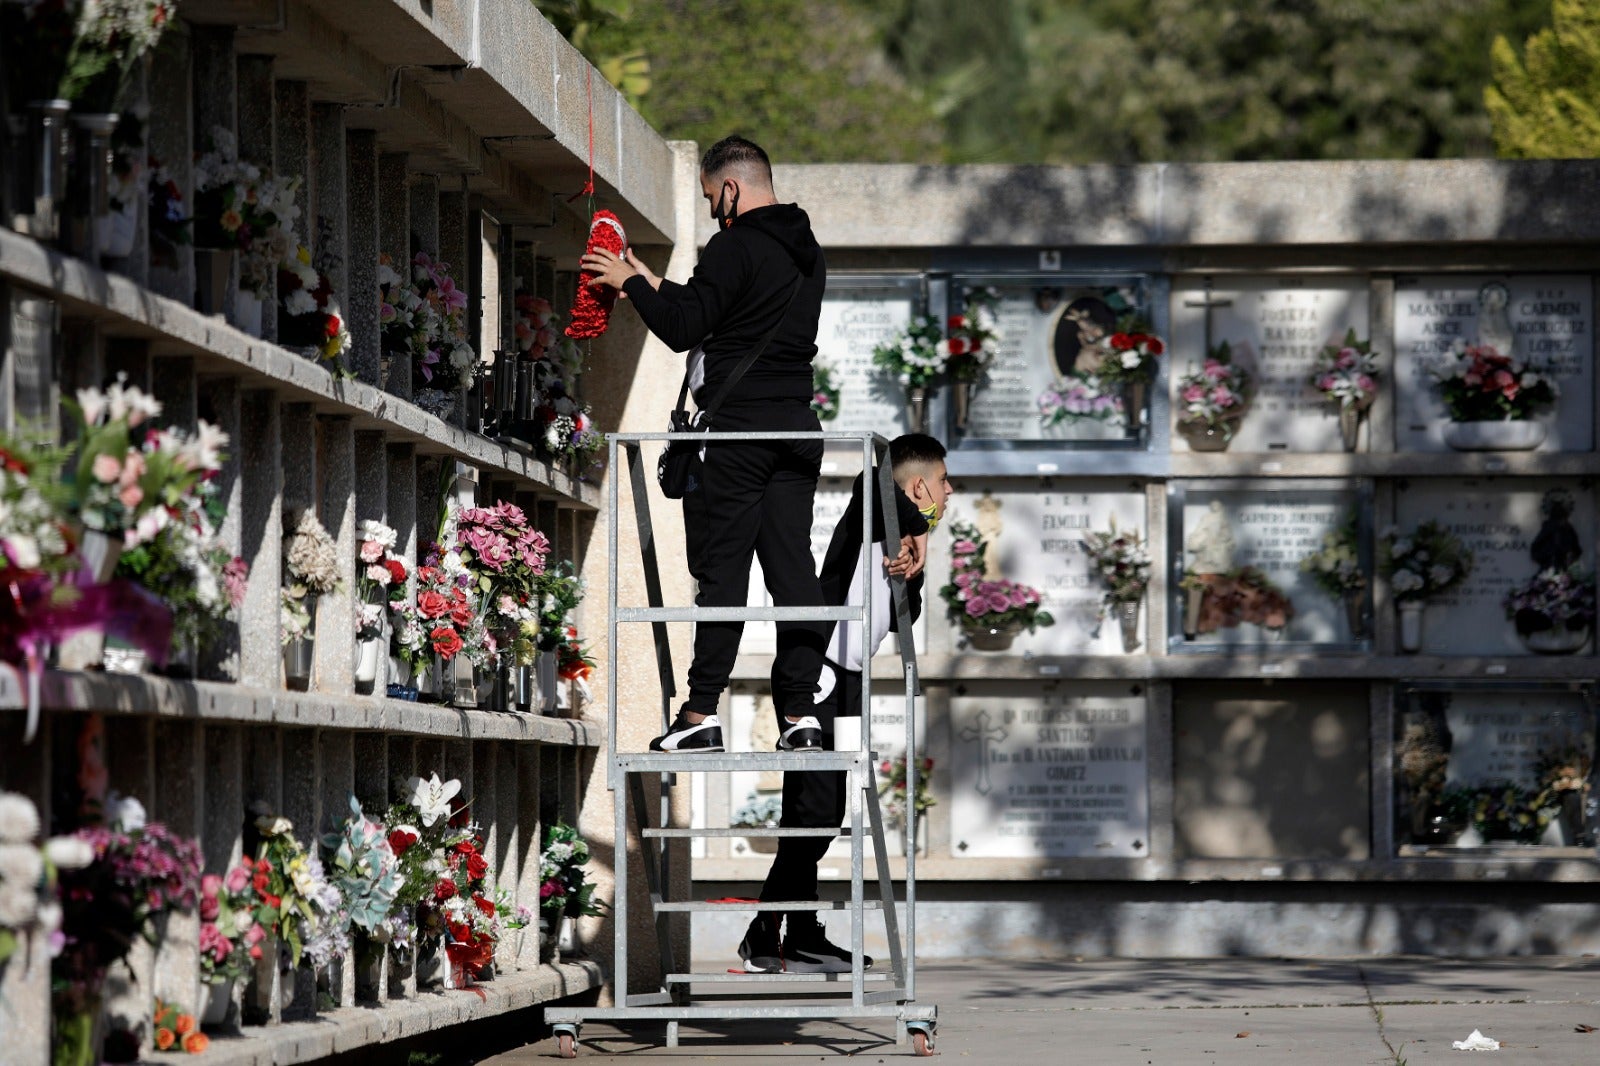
(335, 643)
(221, 405)
(299, 457)
(394, 240)
(429, 500)
(301, 756)
(216, 98)
(263, 777)
(453, 233)
(361, 310)
(330, 246)
(258, 141)
(292, 146)
(171, 137)
(530, 842)
(259, 447)
(424, 197)
(172, 380)
(336, 780)
(507, 855)
(178, 799)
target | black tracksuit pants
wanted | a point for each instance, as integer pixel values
(755, 498)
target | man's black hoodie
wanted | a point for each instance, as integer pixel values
(739, 289)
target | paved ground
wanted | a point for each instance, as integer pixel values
(1181, 1013)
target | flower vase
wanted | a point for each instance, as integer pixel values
(548, 678)
(567, 940)
(297, 651)
(213, 273)
(215, 999)
(1202, 436)
(961, 392)
(1411, 626)
(1520, 435)
(432, 972)
(117, 230)
(1192, 600)
(1349, 426)
(98, 555)
(917, 408)
(246, 316)
(991, 638)
(369, 658)
(89, 183)
(1557, 640)
(1133, 405)
(1355, 612)
(76, 1039)
(1574, 819)
(46, 189)
(1127, 612)
(547, 940)
(523, 684)
(922, 837)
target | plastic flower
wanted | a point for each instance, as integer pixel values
(431, 797)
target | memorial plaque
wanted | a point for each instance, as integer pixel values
(1499, 735)
(857, 316)
(1270, 531)
(1050, 334)
(833, 497)
(1548, 320)
(1498, 522)
(1036, 537)
(1275, 326)
(1061, 773)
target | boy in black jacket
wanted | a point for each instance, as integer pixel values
(816, 799)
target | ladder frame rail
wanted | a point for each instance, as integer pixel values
(864, 805)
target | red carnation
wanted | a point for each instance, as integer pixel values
(397, 570)
(446, 641)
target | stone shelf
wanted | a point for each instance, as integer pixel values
(128, 309)
(346, 1029)
(1253, 663)
(148, 696)
(1029, 466)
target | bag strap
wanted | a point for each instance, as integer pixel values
(746, 363)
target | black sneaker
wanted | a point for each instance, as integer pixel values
(806, 948)
(804, 735)
(760, 949)
(684, 735)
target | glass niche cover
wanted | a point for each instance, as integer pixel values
(1494, 765)
(1270, 563)
(1055, 367)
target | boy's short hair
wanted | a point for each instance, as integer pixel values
(909, 448)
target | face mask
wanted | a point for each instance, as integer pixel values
(931, 513)
(723, 213)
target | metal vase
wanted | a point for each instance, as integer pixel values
(1349, 426)
(1355, 612)
(527, 396)
(1128, 623)
(961, 391)
(917, 409)
(47, 154)
(213, 271)
(297, 659)
(503, 383)
(89, 201)
(1133, 405)
(1192, 599)
(545, 667)
(523, 693)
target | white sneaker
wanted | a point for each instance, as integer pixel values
(804, 735)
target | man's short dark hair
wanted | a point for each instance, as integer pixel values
(914, 448)
(736, 152)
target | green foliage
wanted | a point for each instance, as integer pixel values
(1544, 103)
(604, 31)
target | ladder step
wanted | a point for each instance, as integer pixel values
(667, 762)
(740, 614)
(870, 977)
(700, 906)
(744, 831)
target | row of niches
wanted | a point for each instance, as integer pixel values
(352, 261)
(1254, 364)
(1470, 567)
(1069, 770)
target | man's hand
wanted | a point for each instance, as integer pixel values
(611, 269)
(913, 556)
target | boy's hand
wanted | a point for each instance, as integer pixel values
(912, 558)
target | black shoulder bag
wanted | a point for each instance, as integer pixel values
(678, 469)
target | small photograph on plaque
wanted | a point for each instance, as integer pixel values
(1494, 764)
(1048, 380)
(1284, 563)
(1274, 329)
(859, 313)
(1036, 538)
(1494, 362)
(1530, 589)
(1053, 772)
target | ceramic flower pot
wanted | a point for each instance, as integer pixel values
(369, 659)
(1557, 640)
(990, 638)
(917, 408)
(1517, 436)
(1411, 626)
(1204, 437)
(1127, 612)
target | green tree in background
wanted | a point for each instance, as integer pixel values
(1546, 104)
(603, 31)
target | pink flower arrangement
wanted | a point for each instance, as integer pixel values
(1078, 397)
(1482, 385)
(1217, 394)
(977, 601)
(1347, 374)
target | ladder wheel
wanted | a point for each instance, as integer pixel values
(921, 1043)
(567, 1046)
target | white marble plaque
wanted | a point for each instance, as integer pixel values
(833, 497)
(856, 318)
(1036, 537)
(1551, 321)
(1054, 774)
(1276, 326)
(1272, 531)
(1044, 335)
(27, 384)
(1497, 523)
(1498, 736)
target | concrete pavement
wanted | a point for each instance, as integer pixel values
(1189, 1012)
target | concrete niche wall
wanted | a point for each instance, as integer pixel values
(1276, 773)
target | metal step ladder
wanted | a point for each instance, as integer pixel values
(681, 996)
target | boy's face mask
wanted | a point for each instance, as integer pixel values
(931, 513)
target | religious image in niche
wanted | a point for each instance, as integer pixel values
(1077, 339)
(1554, 610)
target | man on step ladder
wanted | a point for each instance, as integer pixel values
(816, 799)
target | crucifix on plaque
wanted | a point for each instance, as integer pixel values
(1209, 303)
(985, 734)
